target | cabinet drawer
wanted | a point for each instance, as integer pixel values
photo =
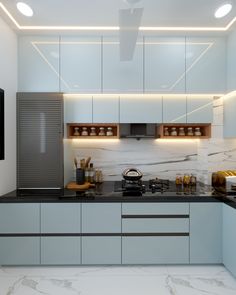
(19, 218)
(155, 208)
(19, 251)
(101, 250)
(155, 250)
(60, 250)
(101, 218)
(157, 225)
(60, 218)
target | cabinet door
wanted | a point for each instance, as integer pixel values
(60, 250)
(81, 64)
(19, 218)
(101, 250)
(101, 218)
(229, 238)
(19, 250)
(121, 76)
(199, 109)
(60, 218)
(141, 109)
(205, 233)
(164, 65)
(229, 116)
(39, 59)
(206, 65)
(106, 109)
(174, 109)
(78, 109)
(155, 250)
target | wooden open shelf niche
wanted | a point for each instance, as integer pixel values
(204, 128)
(71, 130)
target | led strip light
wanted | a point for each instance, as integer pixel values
(113, 28)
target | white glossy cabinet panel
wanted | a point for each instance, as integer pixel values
(78, 109)
(205, 65)
(174, 109)
(229, 116)
(141, 109)
(106, 109)
(39, 59)
(121, 76)
(199, 109)
(81, 64)
(164, 65)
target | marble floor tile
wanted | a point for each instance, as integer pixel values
(134, 280)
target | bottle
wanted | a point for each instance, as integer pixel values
(91, 173)
(87, 172)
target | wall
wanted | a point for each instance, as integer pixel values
(158, 158)
(8, 81)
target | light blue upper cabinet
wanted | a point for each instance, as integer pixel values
(78, 109)
(199, 109)
(164, 65)
(38, 64)
(121, 76)
(81, 64)
(174, 109)
(229, 116)
(106, 109)
(205, 65)
(141, 109)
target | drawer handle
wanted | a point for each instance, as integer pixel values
(155, 216)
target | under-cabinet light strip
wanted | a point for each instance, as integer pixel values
(113, 28)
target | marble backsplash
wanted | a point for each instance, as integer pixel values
(157, 158)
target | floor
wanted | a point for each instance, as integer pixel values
(145, 280)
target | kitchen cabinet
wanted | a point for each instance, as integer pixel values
(60, 250)
(199, 109)
(39, 140)
(101, 218)
(78, 109)
(101, 250)
(229, 116)
(39, 64)
(164, 70)
(174, 109)
(60, 218)
(106, 109)
(81, 64)
(154, 233)
(229, 238)
(205, 233)
(205, 64)
(121, 76)
(141, 109)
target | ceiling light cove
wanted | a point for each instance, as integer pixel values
(223, 10)
(25, 9)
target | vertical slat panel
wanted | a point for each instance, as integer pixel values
(40, 140)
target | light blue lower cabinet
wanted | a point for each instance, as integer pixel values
(205, 233)
(155, 250)
(101, 250)
(19, 251)
(229, 238)
(60, 250)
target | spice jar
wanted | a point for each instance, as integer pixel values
(93, 131)
(76, 131)
(173, 131)
(190, 131)
(101, 131)
(166, 131)
(84, 131)
(193, 180)
(178, 179)
(109, 131)
(186, 179)
(197, 131)
(181, 131)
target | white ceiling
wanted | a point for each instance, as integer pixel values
(199, 13)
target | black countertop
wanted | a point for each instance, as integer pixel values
(105, 193)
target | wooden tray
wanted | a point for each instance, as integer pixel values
(79, 187)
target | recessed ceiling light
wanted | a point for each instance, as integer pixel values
(25, 9)
(223, 10)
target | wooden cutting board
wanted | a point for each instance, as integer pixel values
(77, 187)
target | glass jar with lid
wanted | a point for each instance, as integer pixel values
(84, 131)
(166, 131)
(93, 131)
(181, 131)
(197, 131)
(190, 131)
(109, 131)
(173, 131)
(101, 131)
